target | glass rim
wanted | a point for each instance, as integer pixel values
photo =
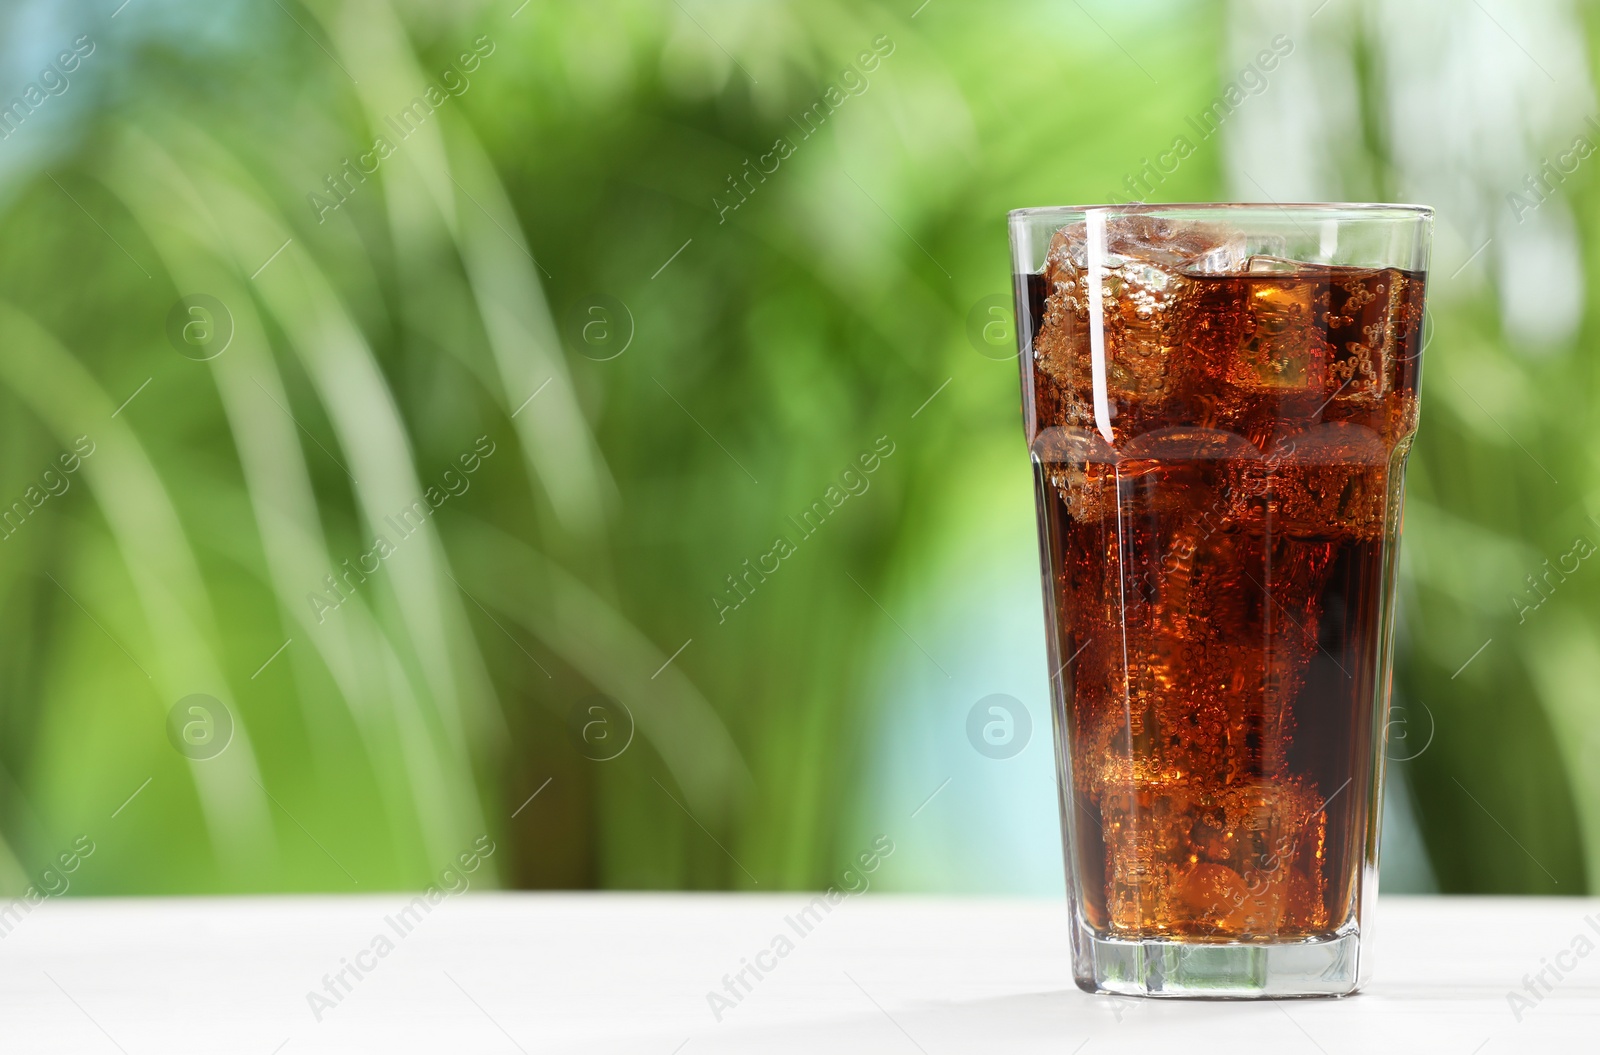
(1370, 210)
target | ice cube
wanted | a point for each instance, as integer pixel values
(1327, 482)
(1146, 267)
(1280, 344)
(1196, 247)
(1232, 864)
(1264, 265)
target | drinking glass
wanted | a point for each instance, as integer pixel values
(1219, 400)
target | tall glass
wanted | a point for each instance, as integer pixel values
(1219, 400)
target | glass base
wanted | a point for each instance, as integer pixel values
(1326, 967)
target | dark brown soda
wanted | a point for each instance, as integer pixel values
(1218, 544)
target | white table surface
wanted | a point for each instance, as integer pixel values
(499, 973)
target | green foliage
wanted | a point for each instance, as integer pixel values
(772, 345)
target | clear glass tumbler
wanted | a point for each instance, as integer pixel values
(1219, 400)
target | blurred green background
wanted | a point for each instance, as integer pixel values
(532, 325)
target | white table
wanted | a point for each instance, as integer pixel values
(496, 973)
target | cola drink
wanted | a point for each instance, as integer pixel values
(1219, 433)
